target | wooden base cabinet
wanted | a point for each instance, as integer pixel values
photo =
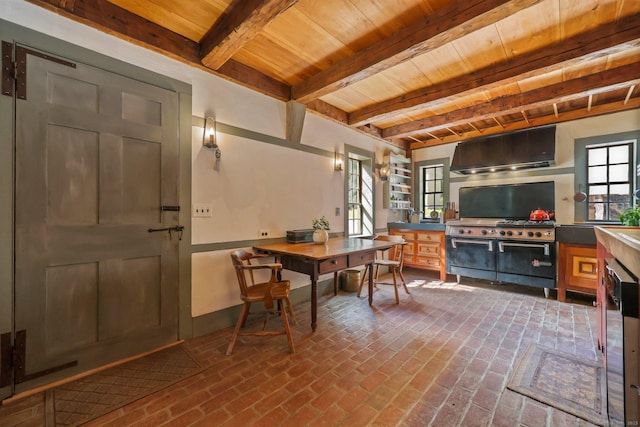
(425, 249)
(577, 269)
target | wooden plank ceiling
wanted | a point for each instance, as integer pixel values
(415, 73)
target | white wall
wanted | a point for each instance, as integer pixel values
(566, 134)
(259, 186)
(262, 186)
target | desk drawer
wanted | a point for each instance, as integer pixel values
(333, 264)
(361, 259)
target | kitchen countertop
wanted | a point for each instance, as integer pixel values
(436, 226)
(577, 234)
(623, 243)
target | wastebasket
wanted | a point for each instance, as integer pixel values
(350, 280)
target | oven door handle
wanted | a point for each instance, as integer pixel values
(545, 246)
(489, 243)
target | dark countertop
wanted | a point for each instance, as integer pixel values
(436, 226)
(578, 234)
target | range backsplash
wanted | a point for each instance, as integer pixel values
(512, 201)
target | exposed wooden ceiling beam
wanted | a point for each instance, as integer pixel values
(603, 81)
(121, 23)
(455, 20)
(598, 110)
(248, 77)
(607, 39)
(629, 92)
(114, 20)
(235, 28)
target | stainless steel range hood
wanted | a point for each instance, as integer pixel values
(527, 149)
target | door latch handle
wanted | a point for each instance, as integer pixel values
(177, 228)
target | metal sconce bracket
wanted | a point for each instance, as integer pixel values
(337, 162)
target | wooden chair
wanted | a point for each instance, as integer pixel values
(267, 292)
(393, 259)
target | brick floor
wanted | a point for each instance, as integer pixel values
(442, 357)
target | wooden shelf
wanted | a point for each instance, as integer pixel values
(398, 184)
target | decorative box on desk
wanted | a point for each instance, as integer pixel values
(300, 236)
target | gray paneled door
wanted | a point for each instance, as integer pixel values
(96, 158)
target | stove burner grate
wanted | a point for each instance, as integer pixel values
(526, 223)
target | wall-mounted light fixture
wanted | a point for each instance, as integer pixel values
(209, 139)
(383, 171)
(209, 134)
(337, 161)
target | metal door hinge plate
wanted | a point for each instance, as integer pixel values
(6, 359)
(8, 69)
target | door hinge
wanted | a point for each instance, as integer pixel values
(9, 69)
(6, 359)
(14, 68)
(13, 361)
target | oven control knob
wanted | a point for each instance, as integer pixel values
(530, 234)
(547, 233)
(461, 231)
(538, 234)
(519, 233)
(502, 232)
(484, 231)
(509, 233)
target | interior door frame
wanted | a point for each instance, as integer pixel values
(14, 33)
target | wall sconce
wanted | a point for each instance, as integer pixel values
(337, 162)
(383, 171)
(209, 134)
(209, 140)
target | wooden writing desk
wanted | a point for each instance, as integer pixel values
(337, 254)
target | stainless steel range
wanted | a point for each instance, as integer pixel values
(508, 249)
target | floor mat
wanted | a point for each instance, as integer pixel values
(87, 398)
(564, 381)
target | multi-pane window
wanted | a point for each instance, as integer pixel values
(609, 180)
(354, 190)
(433, 189)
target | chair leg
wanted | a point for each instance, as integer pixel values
(395, 285)
(291, 315)
(241, 320)
(243, 315)
(404, 282)
(287, 329)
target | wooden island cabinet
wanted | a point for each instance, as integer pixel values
(577, 260)
(577, 269)
(425, 247)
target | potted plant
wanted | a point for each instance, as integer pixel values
(630, 216)
(320, 233)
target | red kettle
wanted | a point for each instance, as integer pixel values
(539, 215)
